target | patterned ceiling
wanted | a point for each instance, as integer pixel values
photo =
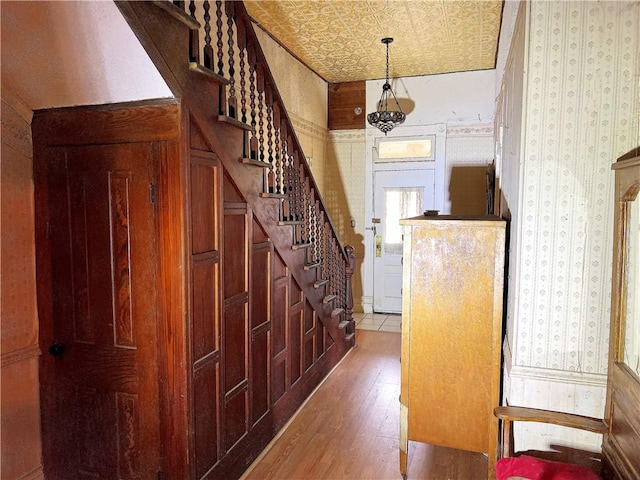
(340, 39)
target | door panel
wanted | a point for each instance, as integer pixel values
(101, 406)
(398, 194)
(235, 321)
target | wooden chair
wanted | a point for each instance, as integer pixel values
(529, 467)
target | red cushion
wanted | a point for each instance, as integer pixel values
(537, 469)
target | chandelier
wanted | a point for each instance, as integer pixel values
(383, 118)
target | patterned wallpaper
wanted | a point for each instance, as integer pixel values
(469, 152)
(582, 112)
(344, 195)
(309, 103)
(345, 181)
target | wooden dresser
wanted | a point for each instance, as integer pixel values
(453, 271)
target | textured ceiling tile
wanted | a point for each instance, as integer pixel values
(340, 39)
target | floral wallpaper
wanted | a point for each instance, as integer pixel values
(581, 113)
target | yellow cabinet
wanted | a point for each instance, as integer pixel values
(453, 272)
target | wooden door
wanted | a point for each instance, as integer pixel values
(97, 303)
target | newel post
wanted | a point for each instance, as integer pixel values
(351, 268)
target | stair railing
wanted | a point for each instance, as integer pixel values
(227, 45)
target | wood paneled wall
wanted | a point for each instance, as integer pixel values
(205, 305)
(347, 105)
(254, 337)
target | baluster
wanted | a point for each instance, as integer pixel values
(242, 53)
(272, 172)
(277, 149)
(295, 195)
(253, 143)
(208, 49)
(260, 86)
(286, 214)
(296, 188)
(194, 37)
(220, 54)
(302, 180)
(330, 264)
(312, 216)
(290, 188)
(334, 268)
(219, 43)
(290, 180)
(316, 233)
(324, 274)
(327, 252)
(349, 271)
(341, 279)
(242, 73)
(320, 256)
(232, 101)
(285, 157)
(306, 233)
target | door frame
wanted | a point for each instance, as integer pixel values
(438, 130)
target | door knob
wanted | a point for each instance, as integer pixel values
(56, 349)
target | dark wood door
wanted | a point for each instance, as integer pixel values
(99, 367)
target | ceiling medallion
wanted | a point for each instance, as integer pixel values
(383, 118)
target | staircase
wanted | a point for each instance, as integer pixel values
(209, 55)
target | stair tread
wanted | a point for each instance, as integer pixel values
(329, 298)
(299, 246)
(196, 67)
(349, 336)
(337, 311)
(177, 13)
(257, 163)
(343, 324)
(319, 283)
(289, 222)
(273, 195)
(235, 121)
(310, 266)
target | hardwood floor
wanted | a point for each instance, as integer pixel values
(349, 429)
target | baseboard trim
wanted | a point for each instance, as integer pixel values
(558, 376)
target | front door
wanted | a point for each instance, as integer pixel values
(97, 306)
(397, 194)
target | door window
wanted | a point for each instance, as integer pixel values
(399, 203)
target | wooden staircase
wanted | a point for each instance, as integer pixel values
(209, 55)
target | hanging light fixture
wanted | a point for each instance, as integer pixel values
(383, 118)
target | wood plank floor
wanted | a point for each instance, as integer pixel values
(349, 429)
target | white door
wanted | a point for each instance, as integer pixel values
(397, 194)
